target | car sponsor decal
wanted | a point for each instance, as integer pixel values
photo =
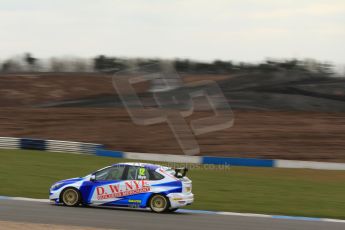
(126, 188)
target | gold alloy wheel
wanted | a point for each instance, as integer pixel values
(158, 203)
(70, 197)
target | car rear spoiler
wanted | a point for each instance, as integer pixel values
(180, 172)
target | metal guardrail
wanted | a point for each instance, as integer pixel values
(48, 145)
(98, 149)
(9, 143)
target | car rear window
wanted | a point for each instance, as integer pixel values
(170, 171)
(156, 176)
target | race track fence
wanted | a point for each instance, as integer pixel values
(9, 143)
(99, 150)
(48, 145)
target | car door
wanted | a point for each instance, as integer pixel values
(136, 186)
(106, 188)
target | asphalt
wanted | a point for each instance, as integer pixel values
(42, 212)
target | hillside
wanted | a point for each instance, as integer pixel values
(276, 116)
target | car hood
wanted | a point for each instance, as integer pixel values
(69, 181)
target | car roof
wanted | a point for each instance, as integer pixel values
(138, 164)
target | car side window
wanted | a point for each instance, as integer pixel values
(138, 173)
(156, 176)
(111, 173)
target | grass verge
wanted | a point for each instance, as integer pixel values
(298, 192)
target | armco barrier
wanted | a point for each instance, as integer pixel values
(162, 157)
(49, 145)
(9, 143)
(109, 153)
(98, 150)
(72, 147)
(36, 144)
(250, 162)
(308, 164)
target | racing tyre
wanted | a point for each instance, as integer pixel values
(159, 203)
(71, 197)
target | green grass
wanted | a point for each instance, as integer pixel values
(299, 192)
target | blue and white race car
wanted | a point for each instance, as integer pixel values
(135, 185)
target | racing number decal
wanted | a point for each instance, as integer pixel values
(142, 175)
(142, 171)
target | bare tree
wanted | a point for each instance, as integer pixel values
(31, 61)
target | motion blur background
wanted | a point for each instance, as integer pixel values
(280, 65)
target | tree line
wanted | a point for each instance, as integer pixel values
(102, 63)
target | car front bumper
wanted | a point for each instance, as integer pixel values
(54, 196)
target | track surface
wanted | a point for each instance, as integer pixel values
(39, 212)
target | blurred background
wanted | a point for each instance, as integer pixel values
(279, 64)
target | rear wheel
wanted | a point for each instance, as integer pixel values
(71, 197)
(159, 203)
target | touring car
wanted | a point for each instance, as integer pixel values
(137, 185)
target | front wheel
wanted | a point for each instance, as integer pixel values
(159, 203)
(71, 197)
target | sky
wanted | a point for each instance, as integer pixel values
(242, 30)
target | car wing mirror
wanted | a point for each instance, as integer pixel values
(93, 177)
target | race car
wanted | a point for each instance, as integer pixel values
(137, 185)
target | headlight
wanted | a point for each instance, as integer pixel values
(56, 186)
